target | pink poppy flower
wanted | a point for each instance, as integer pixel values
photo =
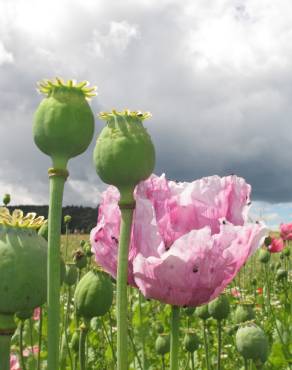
(14, 363)
(36, 313)
(276, 246)
(286, 231)
(30, 351)
(235, 292)
(188, 239)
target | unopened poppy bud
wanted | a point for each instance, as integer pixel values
(79, 258)
(244, 312)
(6, 199)
(219, 308)
(124, 153)
(264, 256)
(71, 274)
(281, 274)
(67, 219)
(191, 342)
(252, 343)
(64, 123)
(162, 344)
(286, 252)
(268, 241)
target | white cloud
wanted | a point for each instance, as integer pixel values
(5, 55)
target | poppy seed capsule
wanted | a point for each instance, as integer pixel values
(286, 252)
(281, 274)
(93, 295)
(191, 342)
(63, 123)
(23, 262)
(124, 153)
(252, 343)
(162, 344)
(219, 308)
(67, 219)
(264, 256)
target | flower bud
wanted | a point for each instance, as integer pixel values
(80, 259)
(219, 308)
(252, 343)
(281, 274)
(162, 344)
(6, 199)
(268, 241)
(71, 274)
(286, 252)
(67, 219)
(191, 342)
(64, 123)
(244, 312)
(264, 256)
(124, 154)
(93, 295)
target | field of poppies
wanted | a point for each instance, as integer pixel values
(174, 275)
(257, 301)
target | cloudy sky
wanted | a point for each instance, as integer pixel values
(216, 75)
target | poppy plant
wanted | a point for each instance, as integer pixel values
(188, 239)
(286, 231)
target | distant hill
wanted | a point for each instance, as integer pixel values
(83, 218)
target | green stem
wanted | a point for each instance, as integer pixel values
(5, 352)
(54, 232)
(21, 345)
(163, 362)
(135, 350)
(142, 334)
(206, 345)
(219, 331)
(192, 361)
(245, 364)
(82, 340)
(122, 277)
(108, 340)
(174, 338)
(67, 319)
(7, 328)
(67, 242)
(40, 339)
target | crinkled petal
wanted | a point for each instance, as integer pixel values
(198, 266)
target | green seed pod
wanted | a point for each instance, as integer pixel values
(243, 312)
(268, 241)
(219, 308)
(24, 315)
(23, 262)
(71, 274)
(252, 343)
(191, 342)
(93, 295)
(162, 344)
(87, 250)
(254, 281)
(264, 256)
(67, 219)
(82, 243)
(202, 312)
(286, 252)
(74, 344)
(281, 274)
(6, 199)
(189, 310)
(124, 154)
(80, 259)
(43, 231)
(63, 123)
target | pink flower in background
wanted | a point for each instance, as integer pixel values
(188, 239)
(36, 313)
(235, 292)
(286, 231)
(30, 351)
(276, 246)
(14, 363)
